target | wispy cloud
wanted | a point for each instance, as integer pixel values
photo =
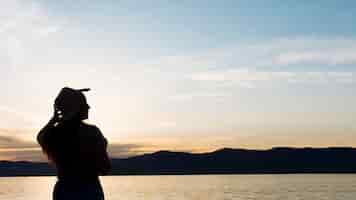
(22, 23)
(249, 78)
(333, 56)
(13, 148)
(191, 96)
(118, 150)
(278, 52)
(312, 50)
(10, 142)
(291, 60)
(14, 119)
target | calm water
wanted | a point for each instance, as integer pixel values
(204, 187)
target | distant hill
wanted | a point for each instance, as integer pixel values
(223, 161)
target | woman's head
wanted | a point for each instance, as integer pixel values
(70, 104)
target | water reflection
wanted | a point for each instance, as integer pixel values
(211, 187)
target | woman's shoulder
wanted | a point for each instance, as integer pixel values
(90, 130)
(88, 126)
(93, 134)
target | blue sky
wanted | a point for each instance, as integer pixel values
(182, 75)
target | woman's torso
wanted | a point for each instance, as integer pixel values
(66, 189)
(73, 148)
(76, 151)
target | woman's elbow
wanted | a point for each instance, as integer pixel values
(106, 168)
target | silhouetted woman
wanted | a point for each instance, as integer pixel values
(77, 150)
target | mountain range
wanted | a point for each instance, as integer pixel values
(222, 161)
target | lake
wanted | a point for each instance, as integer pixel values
(198, 187)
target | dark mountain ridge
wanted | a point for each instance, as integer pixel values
(222, 161)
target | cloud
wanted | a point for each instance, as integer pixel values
(241, 75)
(22, 155)
(13, 148)
(22, 23)
(333, 56)
(118, 150)
(11, 142)
(301, 60)
(191, 96)
(277, 52)
(312, 50)
(11, 119)
(249, 78)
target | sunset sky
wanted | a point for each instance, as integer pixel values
(182, 75)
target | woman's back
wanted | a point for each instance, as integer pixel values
(68, 189)
(78, 150)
